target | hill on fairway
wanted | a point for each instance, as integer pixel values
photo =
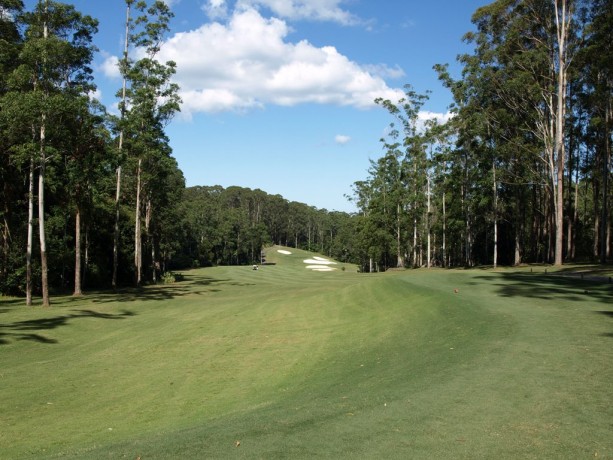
(292, 362)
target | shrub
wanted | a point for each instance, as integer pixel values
(171, 278)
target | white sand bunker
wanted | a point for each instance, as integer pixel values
(319, 264)
(283, 251)
(320, 268)
(318, 261)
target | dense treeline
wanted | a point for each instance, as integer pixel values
(97, 191)
(232, 225)
(522, 171)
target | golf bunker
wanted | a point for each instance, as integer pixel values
(319, 264)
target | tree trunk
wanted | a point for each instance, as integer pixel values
(77, 264)
(519, 228)
(606, 169)
(148, 216)
(86, 257)
(116, 230)
(399, 258)
(138, 257)
(120, 147)
(562, 29)
(415, 262)
(596, 196)
(444, 233)
(6, 235)
(428, 258)
(495, 190)
(30, 234)
(575, 216)
(595, 248)
(41, 228)
(517, 258)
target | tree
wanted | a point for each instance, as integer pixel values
(85, 161)
(153, 100)
(396, 191)
(595, 60)
(125, 63)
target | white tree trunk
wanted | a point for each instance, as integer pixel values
(30, 235)
(77, 264)
(495, 190)
(41, 223)
(429, 262)
(120, 147)
(563, 18)
(138, 257)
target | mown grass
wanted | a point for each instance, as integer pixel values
(289, 363)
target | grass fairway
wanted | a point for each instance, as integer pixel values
(285, 362)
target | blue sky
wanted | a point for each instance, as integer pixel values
(278, 94)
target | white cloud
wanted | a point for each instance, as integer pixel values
(95, 94)
(248, 63)
(422, 117)
(110, 67)
(319, 10)
(216, 9)
(342, 139)
(385, 71)
(440, 118)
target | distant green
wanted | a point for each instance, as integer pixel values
(284, 362)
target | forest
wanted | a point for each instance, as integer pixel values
(91, 199)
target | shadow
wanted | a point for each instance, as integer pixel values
(608, 313)
(205, 281)
(550, 286)
(189, 285)
(20, 330)
(6, 304)
(35, 338)
(601, 272)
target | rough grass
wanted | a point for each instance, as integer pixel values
(290, 363)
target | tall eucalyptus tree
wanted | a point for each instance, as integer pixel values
(596, 101)
(151, 100)
(125, 64)
(523, 50)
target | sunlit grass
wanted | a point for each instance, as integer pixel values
(284, 362)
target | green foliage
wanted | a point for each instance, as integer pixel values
(77, 148)
(171, 278)
(231, 226)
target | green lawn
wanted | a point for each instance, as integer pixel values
(292, 363)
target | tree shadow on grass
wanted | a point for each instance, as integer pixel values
(29, 329)
(552, 286)
(189, 285)
(6, 304)
(608, 313)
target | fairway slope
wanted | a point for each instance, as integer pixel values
(286, 362)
